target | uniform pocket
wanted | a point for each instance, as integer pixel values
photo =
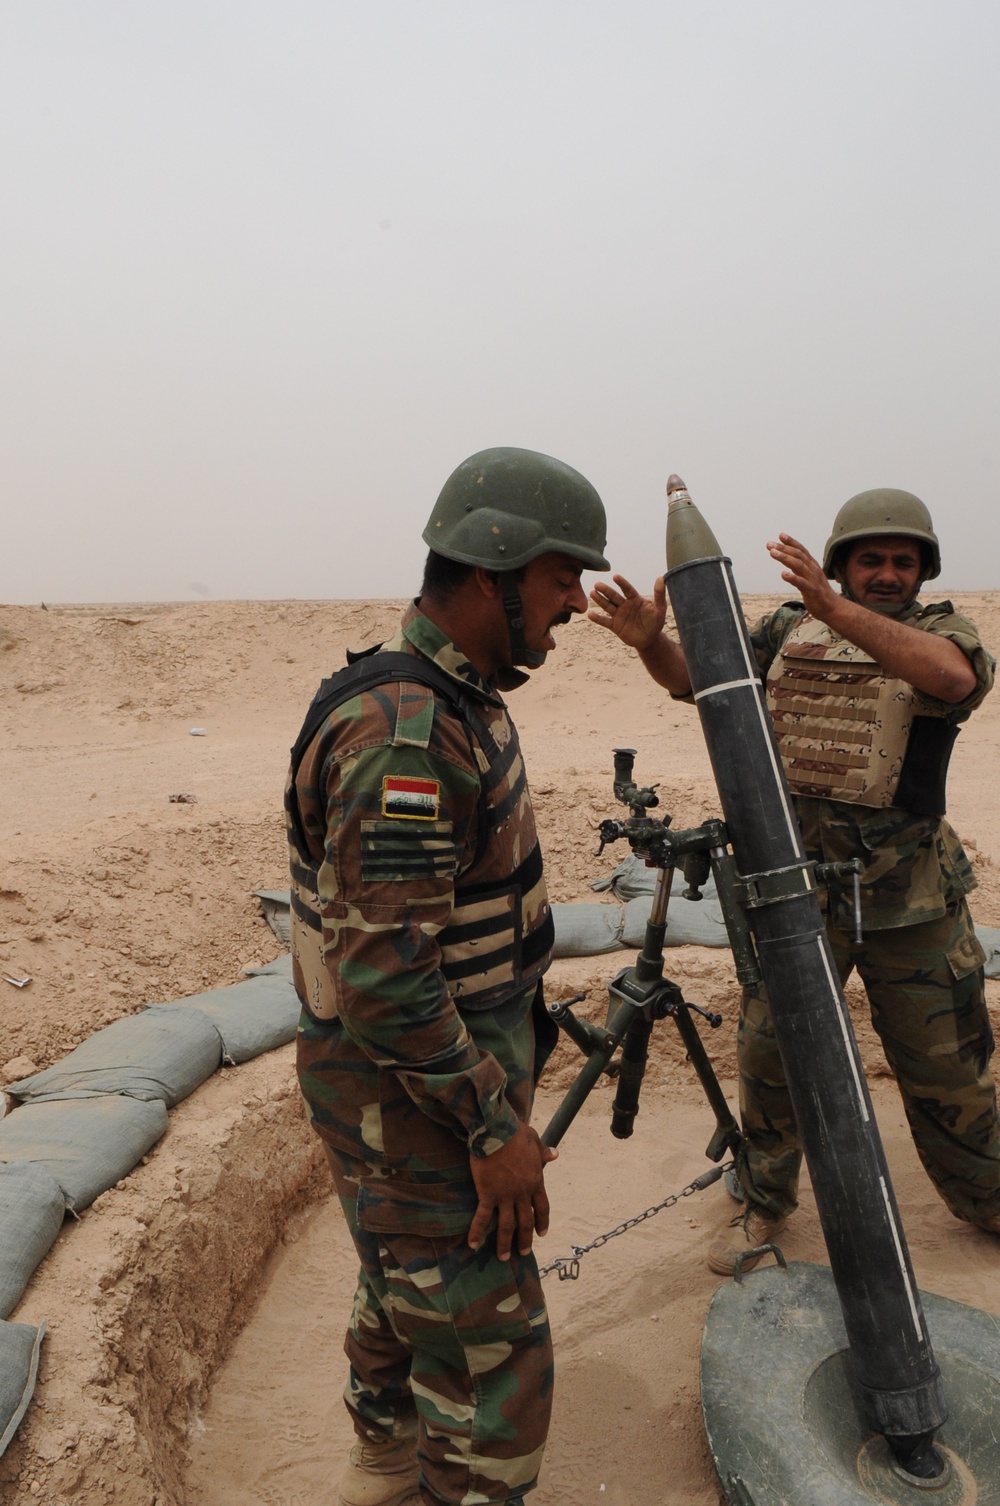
(894, 831)
(451, 1304)
(430, 1210)
(965, 956)
(484, 1295)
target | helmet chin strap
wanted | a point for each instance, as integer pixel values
(512, 605)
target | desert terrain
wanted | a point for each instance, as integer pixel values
(195, 1312)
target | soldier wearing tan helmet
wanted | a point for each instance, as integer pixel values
(421, 930)
(867, 688)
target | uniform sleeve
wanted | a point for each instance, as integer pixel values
(399, 824)
(770, 631)
(953, 625)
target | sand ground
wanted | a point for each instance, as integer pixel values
(195, 1312)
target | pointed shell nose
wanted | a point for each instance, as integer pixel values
(688, 535)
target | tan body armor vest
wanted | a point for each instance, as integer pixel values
(843, 726)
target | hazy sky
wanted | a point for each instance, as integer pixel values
(271, 270)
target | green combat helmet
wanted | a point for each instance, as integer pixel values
(502, 508)
(884, 511)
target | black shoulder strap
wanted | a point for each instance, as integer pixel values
(366, 671)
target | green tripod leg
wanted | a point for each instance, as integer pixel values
(727, 1134)
(604, 1045)
(635, 1053)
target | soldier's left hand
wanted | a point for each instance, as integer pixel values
(511, 1184)
(805, 573)
(636, 619)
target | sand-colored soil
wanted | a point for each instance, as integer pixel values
(224, 1243)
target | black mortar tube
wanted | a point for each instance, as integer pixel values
(898, 1379)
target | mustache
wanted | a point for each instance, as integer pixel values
(563, 617)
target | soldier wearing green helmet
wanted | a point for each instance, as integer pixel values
(503, 508)
(883, 513)
(867, 688)
(421, 930)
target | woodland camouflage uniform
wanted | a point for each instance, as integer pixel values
(419, 940)
(920, 962)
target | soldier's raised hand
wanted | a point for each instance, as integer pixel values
(636, 619)
(804, 573)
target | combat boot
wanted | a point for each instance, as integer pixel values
(740, 1232)
(381, 1474)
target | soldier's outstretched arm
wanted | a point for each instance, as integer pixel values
(927, 661)
(638, 621)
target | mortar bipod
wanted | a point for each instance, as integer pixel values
(638, 996)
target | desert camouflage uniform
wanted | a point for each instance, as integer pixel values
(920, 962)
(421, 929)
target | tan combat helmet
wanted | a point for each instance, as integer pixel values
(884, 511)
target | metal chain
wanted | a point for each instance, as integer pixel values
(569, 1269)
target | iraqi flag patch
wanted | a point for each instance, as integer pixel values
(415, 799)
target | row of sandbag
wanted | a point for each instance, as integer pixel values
(82, 1124)
(587, 930)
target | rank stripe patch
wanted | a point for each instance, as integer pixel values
(414, 799)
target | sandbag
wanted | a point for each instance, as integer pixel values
(630, 879)
(19, 1349)
(689, 922)
(32, 1208)
(88, 1144)
(989, 940)
(277, 907)
(250, 1017)
(163, 1052)
(281, 967)
(586, 930)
